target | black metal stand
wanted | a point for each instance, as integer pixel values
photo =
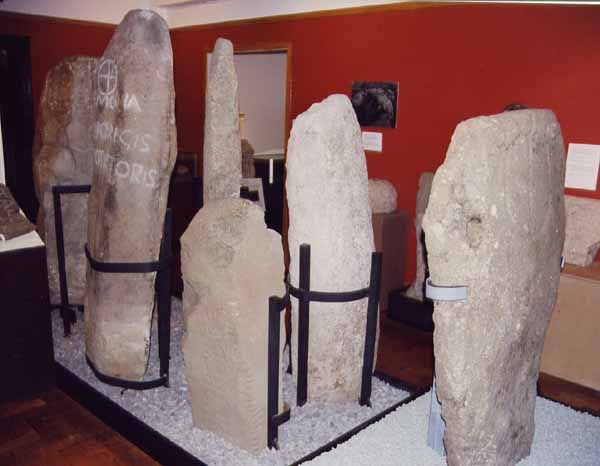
(67, 310)
(163, 298)
(275, 419)
(305, 295)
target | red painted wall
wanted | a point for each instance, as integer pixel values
(51, 40)
(451, 62)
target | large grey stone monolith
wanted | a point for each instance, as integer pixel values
(328, 199)
(231, 265)
(222, 144)
(582, 239)
(134, 152)
(495, 224)
(63, 155)
(415, 290)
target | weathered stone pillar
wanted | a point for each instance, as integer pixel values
(495, 224)
(415, 290)
(222, 159)
(62, 155)
(231, 265)
(328, 199)
(582, 238)
(134, 152)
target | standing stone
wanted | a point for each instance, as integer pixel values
(231, 265)
(415, 290)
(134, 152)
(248, 169)
(222, 143)
(582, 238)
(495, 224)
(62, 155)
(328, 199)
(382, 196)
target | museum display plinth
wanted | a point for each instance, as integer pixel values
(389, 232)
(26, 355)
(572, 345)
(156, 420)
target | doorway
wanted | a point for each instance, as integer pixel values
(16, 113)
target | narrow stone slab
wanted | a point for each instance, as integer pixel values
(382, 196)
(134, 152)
(328, 199)
(222, 144)
(63, 155)
(231, 265)
(415, 290)
(582, 239)
(495, 224)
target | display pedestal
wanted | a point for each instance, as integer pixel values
(26, 354)
(572, 345)
(389, 232)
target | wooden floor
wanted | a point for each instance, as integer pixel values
(51, 429)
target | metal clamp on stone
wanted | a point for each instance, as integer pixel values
(445, 293)
(305, 295)
(67, 310)
(162, 297)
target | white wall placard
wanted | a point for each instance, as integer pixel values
(582, 166)
(372, 141)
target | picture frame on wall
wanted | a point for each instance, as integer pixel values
(375, 103)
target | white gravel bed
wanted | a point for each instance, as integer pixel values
(563, 437)
(168, 410)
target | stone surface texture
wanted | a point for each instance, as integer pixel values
(134, 152)
(328, 199)
(63, 155)
(382, 196)
(415, 290)
(222, 143)
(495, 223)
(12, 222)
(248, 170)
(231, 265)
(582, 239)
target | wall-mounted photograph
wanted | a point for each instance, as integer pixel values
(375, 103)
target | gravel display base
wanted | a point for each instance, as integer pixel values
(168, 410)
(563, 437)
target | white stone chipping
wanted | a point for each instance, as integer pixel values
(168, 410)
(563, 437)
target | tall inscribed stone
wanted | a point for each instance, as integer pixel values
(222, 145)
(231, 265)
(134, 153)
(495, 224)
(328, 199)
(63, 155)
